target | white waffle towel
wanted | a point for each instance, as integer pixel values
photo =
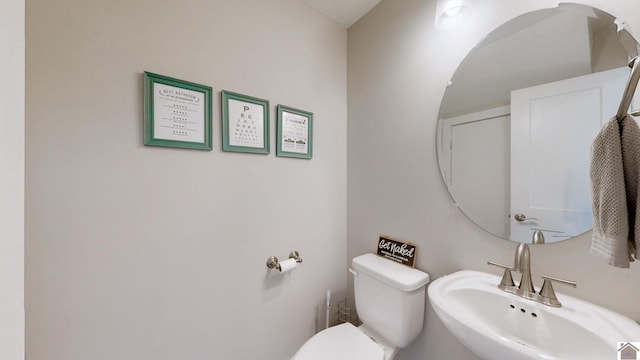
(615, 171)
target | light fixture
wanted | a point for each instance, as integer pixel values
(450, 13)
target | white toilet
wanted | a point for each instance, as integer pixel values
(390, 300)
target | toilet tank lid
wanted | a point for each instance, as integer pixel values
(394, 274)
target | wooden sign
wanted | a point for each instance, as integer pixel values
(398, 251)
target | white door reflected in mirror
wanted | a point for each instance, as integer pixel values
(552, 127)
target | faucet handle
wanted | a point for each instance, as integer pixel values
(547, 295)
(507, 279)
(506, 267)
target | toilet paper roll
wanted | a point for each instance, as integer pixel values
(288, 265)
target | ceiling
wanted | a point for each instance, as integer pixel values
(344, 12)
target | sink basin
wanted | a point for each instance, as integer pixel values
(498, 325)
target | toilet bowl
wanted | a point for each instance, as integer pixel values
(340, 342)
(389, 300)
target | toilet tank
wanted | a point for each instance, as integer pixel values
(389, 297)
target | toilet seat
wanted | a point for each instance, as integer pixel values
(341, 342)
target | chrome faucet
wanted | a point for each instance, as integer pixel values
(537, 237)
(522, 264)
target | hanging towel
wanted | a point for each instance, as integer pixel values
(614, 173)
(631, 165)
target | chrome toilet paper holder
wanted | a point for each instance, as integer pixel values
(273, 263)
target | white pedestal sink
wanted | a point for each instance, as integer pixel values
(497, 325)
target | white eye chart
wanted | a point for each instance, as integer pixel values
(246, 124)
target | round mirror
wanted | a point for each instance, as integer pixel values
(517, 120)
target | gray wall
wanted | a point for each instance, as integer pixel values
(398, 65)
(152, 253)
(12, 179)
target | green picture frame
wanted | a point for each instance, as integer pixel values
(177, 113)
(245, 123)
(295, 133)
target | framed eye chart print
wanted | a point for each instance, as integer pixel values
(245, 123)
(177, 113)
(295, 133)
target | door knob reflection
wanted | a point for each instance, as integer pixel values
(519, 217)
